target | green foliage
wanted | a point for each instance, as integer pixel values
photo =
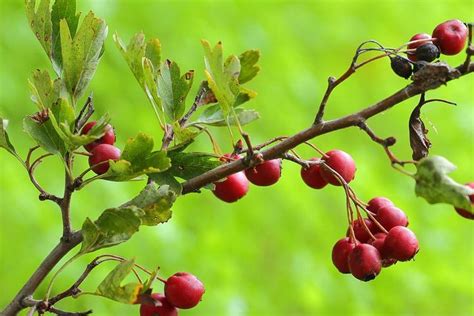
(111, 286)
(213, 116)
(39, 20)
(44, 129)
(44, 91)
(435, 186)
(117, 225)
(248, 64)
(5, 141)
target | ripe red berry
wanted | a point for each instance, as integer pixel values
(266, 173)
(378, 243)
(232, 188)
(390, 216)
(450, 36)
(108, 138)
(183, 290)
(360, 232)
(466, 213)
(312, 175)
(419, 36)
(164, 308)
(340, 254)
(342, 163)
(365, 262)
(377, 203)
(401, 243)
(101, 153)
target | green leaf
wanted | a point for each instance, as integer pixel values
(116, 225)
(133, 54)
(81, 52)
(5, 141)
(39, 20)
(153, 51)
(42, 128)
(62, 9)
(249, 67)
(173, 89)
(433, 184)
(213, 116)
(137, 159)
(75, 141)
(184, 134)
(44, 91)
(166, 178)
(244, 95)
(111, 286)
(63, 112)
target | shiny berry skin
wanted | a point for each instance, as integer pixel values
(340, 254)
(232, 188)
(165, 308)
(108, 138)
(266, 173)
(377, 203)
(401, 244)
(378, 243)
(415, 37)
(427, 52)
(312, 176)
(360, 232)
(401, 66)
(183, 290)
(390, 216)
(466, 213)
(100, 153)
(450, 37)
(365, 262)
(342, 163)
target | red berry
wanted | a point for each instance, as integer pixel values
(342, 163)
(232, 188)
(266, 173)
(466, 213)
(415, 37)
(340, 254)
(401, 243)
(108, 138)
(164, 308)
(360, 232)
(450, 36)
(183, 290)
(378, 243)
(377, 203)
(101, 153)
(365, 262)
(390, 216)
(312, 175)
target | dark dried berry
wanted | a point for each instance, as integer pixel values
(427, 52)
(419, 64)
(401, 66)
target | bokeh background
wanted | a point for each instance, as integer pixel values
(270, 253)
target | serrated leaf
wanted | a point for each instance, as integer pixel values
(133, 54)
(153, 51)
(62, 9)
(81, 52)
(213, 116)
(150, 78)
(166, 178)
(116, 225)
(5, 141)
(63, 112)
(44, 91)
(41, 127)
(111, 286)
(184, 134)
(248, 64)
(173, 89)
(244, 95)
(39, 20)
(75, 141)
(435, 186)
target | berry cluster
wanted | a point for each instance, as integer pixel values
(182, 290)
(375, 242)
(101, 150)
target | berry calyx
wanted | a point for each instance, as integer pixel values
(232, 188)
(466, 213)
(161, 307)
(365, 262)
(100, 156)
(450, 36)
(419, 36)
(401, 243)
(340, 254)
(390, 216)
(183, 290)
(377, 203)
(312, 175)
(401, 66)
(360, 232)
(342, 163)
(427, 52)
(108, 138)
(266, 173)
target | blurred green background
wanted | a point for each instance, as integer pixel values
(270, 253)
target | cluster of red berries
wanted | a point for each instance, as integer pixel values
(373, 244)
(101, 150)
(182, 290)
(466, 213)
